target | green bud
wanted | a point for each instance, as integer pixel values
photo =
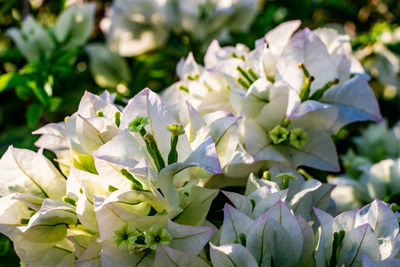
(192, 77)
(117, 118)
(278, 135)
(286, 177)
(285, 123)
(242, 239)
(253, 203)
(298, 138)
(394, 207)
(234, 55)
(183, 88)
(112, 188)
(24, 221)
(100, 114)
(69, 200)
(176, 129)
(148, 138)
(266, 175)
(126, 236)
(157, 235)
(138, 124)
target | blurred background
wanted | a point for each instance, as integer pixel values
(52, 51)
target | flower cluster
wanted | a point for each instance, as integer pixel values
(115, 198)
(372, 170)
(136, 26)
(138, 185)
(293, 92)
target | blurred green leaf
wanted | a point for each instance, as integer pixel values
(4, 245)
(11, 80)
(54, 103)
(23, 92)
(108, 69)
(39, 92)
(34, 113)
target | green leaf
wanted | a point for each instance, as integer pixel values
(108, 68)
(11, 80)
(39, 92)
(23, 92)
(4, 245)
(55, 102)
(34, 113)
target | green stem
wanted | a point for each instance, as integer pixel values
(317, 95)
(152, 147)
(173, 154)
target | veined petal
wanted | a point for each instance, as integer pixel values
(148, 104)
(22, 170)
(169, 257)
(306, 47)
(231, 255)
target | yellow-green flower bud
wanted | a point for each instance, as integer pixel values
(298, 138)
(138, 124)
(266, 175)
(126, 236)
(117, 118)
(286, 177)
(157, 235)
(176, 129)
(279, 134)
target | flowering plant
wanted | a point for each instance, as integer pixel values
(142, 184)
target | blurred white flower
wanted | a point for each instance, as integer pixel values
(136, 26)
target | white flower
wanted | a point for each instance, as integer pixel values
(346, 237)
(32, 40)
(136, 26)
(74, 25)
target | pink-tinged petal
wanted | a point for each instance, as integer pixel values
(188, 238)
(240, 202)
(231, 255)
(324, 250)
(356, 242)
(235, 223)
(355, 100)
(169, 257)
(281, 213)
